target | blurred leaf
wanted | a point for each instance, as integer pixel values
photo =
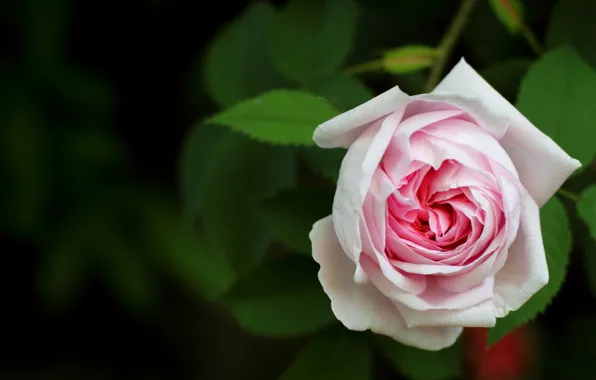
(281, 298)
(291, 214)
(238, 65)
(188, 258)
(385, 24)
(557, 245)
(416, 364)
(324, 161)
(115, 234)
(572, 22)
(333, 354)
(104, 236)
(199, 143)
(576, 361)
(586, 207)
(312, 38)
(510, 13)
(241, 172)
(63, 269)
(88, 158)
(93, 147)
(45, 25)
(84, 93)
(343, 91)
(127, 274)
(22, 165)
(556, 95)
(506, 77)
(582, 238)
(412, 83)
(280, 117)
(407, 59)
(501, 46)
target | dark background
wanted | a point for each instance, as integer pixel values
(103, 93)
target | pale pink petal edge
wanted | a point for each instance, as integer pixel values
(361, 306)
(542, 165)
(343, 129)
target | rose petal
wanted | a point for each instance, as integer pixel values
(464, 133)
(361, 307)
(399, 154)
(356, 173)
(481, 315)
(541, 164)
(343, 129)
(525, 271)
(436, 297)
(386, 284)
(474, 109)
(375, 208)
(373, 220)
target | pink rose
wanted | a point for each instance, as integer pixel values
(435, 222)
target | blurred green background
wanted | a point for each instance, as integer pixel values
(107, 271)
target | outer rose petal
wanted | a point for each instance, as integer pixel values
(542, 165)
(481, 315)
(525, 271)
(356, 173)
(342, 130)
(494, 123)
(362, 307)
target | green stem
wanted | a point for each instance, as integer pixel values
(364, 67)
(448, 42)
(568, 194)
(532, 40)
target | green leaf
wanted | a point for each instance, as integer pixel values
(586, 207)
(188, 258)
(114, 234)
(83, 93)
(557, 245)
(23, 165)
(240, 173)
(506, 76)
(63, 268)
(280, 117)
(126, 273)
(343, 91)
(199, 142)
(237, 65)
(556, 95)
(312, 38)
(45, 26)
(416, 364)
(88, 158)
(572, 22)
(407, 59)
(281, 298)
(291, 214)
(510, 13)
(333, 354)
(324, 161)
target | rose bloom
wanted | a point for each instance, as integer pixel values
(435, 223)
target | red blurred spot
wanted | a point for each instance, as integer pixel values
(509, 359)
